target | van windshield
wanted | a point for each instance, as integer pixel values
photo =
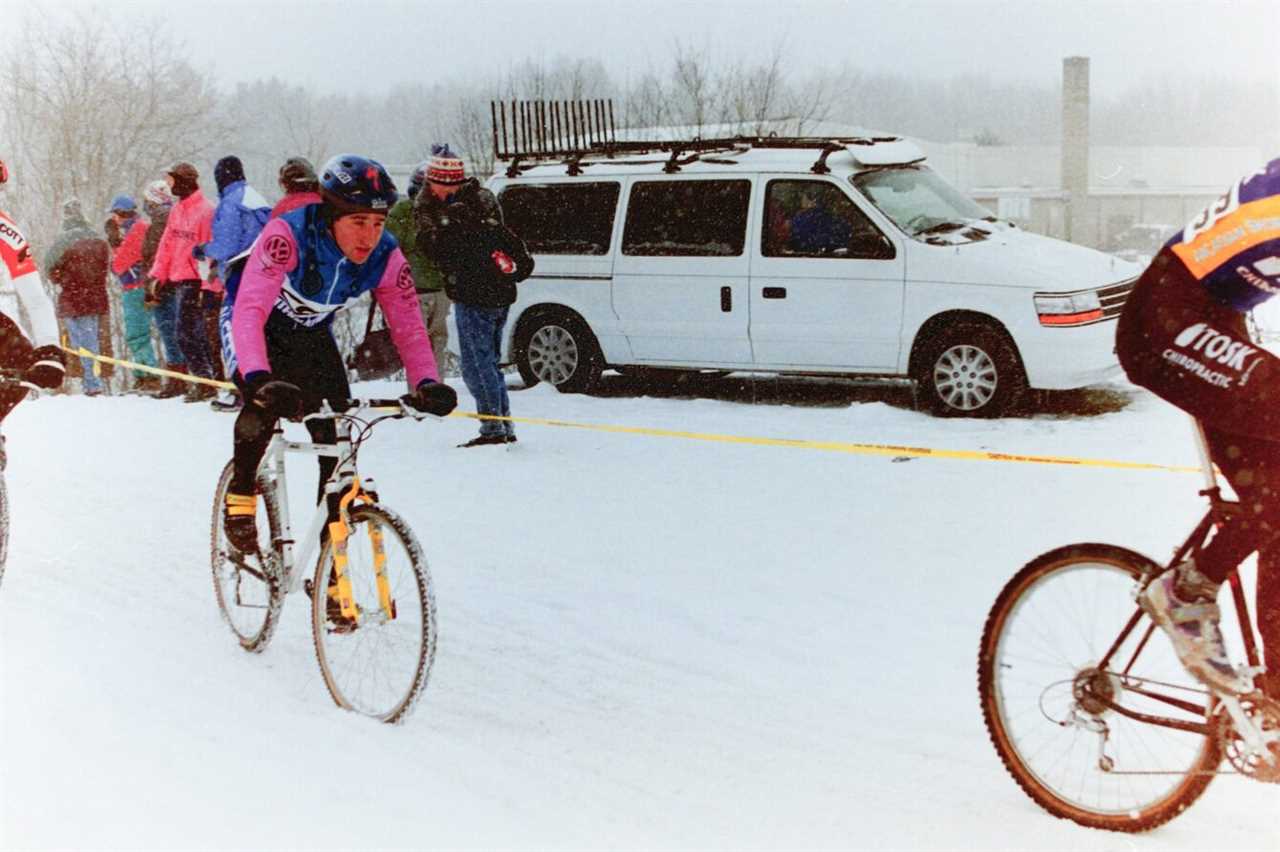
(918, 201)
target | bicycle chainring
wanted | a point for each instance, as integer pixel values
(1265, 712)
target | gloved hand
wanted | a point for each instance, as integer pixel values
(48, 370)
(282, 399)
(432, 398)
(197, 252)
(458, 215)
(503, 261)
(156, 290)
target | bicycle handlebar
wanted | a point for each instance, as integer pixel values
(389, 407)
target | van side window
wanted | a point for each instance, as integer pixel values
(809, 218)
(562, 218)
(687, 218)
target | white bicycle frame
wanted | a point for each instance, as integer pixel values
(339, 482)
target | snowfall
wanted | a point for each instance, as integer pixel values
(645, 641)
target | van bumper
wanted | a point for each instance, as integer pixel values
(1066, 358)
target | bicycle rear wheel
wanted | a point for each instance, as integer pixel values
(250, 601)
(377, 663)
(1045, 699)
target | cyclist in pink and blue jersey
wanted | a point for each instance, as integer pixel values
(304, 267)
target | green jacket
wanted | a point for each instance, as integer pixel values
(426, 276)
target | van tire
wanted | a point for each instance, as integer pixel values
(557, 348)
(969, 369)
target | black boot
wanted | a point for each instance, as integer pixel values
(172, 387)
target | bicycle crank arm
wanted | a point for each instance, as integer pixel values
(244, 562)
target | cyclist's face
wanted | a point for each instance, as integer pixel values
(357, 235)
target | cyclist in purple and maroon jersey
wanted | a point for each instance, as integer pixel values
(1183, 336)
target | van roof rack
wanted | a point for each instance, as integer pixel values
(537, 133)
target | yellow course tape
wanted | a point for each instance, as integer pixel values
(186, 377)
(793, 443)
(842, 447)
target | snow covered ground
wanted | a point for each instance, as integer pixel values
(644, 642)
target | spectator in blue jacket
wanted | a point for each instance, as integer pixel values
(240, 216)
(238, 219)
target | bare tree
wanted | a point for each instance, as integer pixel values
(694, 88)
(90, 110)
(754, 94)
(471, 131)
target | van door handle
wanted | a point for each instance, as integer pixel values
(726, 299)
(775, 292)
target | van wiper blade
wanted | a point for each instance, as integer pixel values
(941, 228)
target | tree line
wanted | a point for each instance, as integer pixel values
(91, 109)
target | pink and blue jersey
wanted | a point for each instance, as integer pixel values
(1233, 247)
(296, 277)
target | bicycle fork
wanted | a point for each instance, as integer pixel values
(339, 534)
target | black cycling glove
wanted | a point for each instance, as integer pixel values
(432, 398)
(47, 370)
(282, 399)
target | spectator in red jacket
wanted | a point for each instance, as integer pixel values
(126, 264)
(77, 263)
(176, 266)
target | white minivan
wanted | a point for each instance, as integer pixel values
(851, 259)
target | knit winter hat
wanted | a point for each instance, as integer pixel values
(157, 192)
(72, 215)
(123, 204)
(298, 175)
(445, 166)
(186, 179)
(227, 171)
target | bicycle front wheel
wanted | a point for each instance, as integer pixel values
(375, 651)
(1057, 714)
(249, 598)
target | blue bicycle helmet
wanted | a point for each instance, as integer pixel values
(350, 183)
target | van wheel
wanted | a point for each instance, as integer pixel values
(969, 370)
(558, 349)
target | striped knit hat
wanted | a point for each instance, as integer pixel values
(445, 166)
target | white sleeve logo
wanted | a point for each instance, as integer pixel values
(1209, 217)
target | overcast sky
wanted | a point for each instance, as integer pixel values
(374, 43)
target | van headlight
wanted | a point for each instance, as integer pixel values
(1068, 308)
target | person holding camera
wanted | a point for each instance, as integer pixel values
(460, 228)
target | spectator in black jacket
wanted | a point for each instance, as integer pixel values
(78, 263)
(460, 229)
